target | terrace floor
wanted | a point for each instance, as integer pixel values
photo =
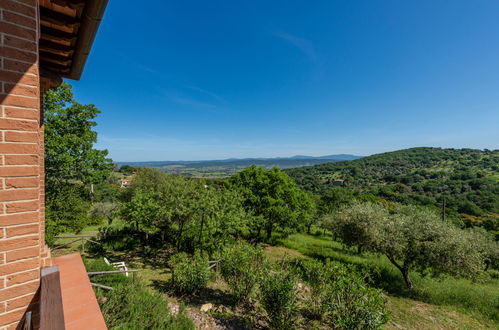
(81, 309)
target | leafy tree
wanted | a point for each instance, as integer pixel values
(66, 210)
(195, 215)
(70, 159)
(127, 169)
(104, 210)
(273, 196)
(413, 238)
(357, 224)
(69, 139)
(143, 210)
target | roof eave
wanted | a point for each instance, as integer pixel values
(90, 21)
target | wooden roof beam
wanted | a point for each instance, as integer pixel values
(51, 16)
(51, 57)
(49, 46)
(74, 4)
(57, 68)
(56, 34)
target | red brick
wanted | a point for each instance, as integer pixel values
(16, 255)
(14, 65)
(11, 317)
(20, 101)
(19, 290)
(18, 77)
(21, 160)
(18, 31)
(18, 219)
(19, 20)
(22, 113)
(20, 242)
(22, 206)
(15, 42)
(21, 137)
(14, 53)
(10, 171)
(17, 267)
(18, 8)
(30, 3)
(21, 183)
(31, 91)
(16, 303)
(18, 148)
(22, 230)
(17, 124)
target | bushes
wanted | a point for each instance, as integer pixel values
(189, 274)
(240, 267)
(340, 297)
(278, 296)
(131, 306)
(352, 304)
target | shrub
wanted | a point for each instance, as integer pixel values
(240, 268)
(351, 304)
(131, 306)
(278, 296)
(189, 274)
(317, 277)
(340, 296)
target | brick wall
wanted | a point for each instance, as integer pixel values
(22, 248)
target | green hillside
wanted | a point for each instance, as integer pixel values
(467, 179)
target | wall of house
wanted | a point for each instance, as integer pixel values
(22, 248)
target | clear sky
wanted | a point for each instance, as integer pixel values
(215, 79)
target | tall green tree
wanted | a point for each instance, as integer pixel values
(273, 196)
(70, 139)
(71, 161)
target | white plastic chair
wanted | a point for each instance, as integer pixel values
(120, 265)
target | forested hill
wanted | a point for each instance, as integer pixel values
(469, 179)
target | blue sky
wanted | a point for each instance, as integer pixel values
(215, 79)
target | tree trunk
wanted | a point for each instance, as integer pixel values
(404, 270)
(179, 236)
(269, 231)
(407, 280)
(201, 231)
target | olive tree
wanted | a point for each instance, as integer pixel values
(413, 238)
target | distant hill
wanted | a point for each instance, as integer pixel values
(467, 179)
(233, 164)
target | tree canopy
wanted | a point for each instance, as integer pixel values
(415, 238)
(71, 161)
(274, 197)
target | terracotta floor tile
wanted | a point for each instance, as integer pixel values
(81, 310)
